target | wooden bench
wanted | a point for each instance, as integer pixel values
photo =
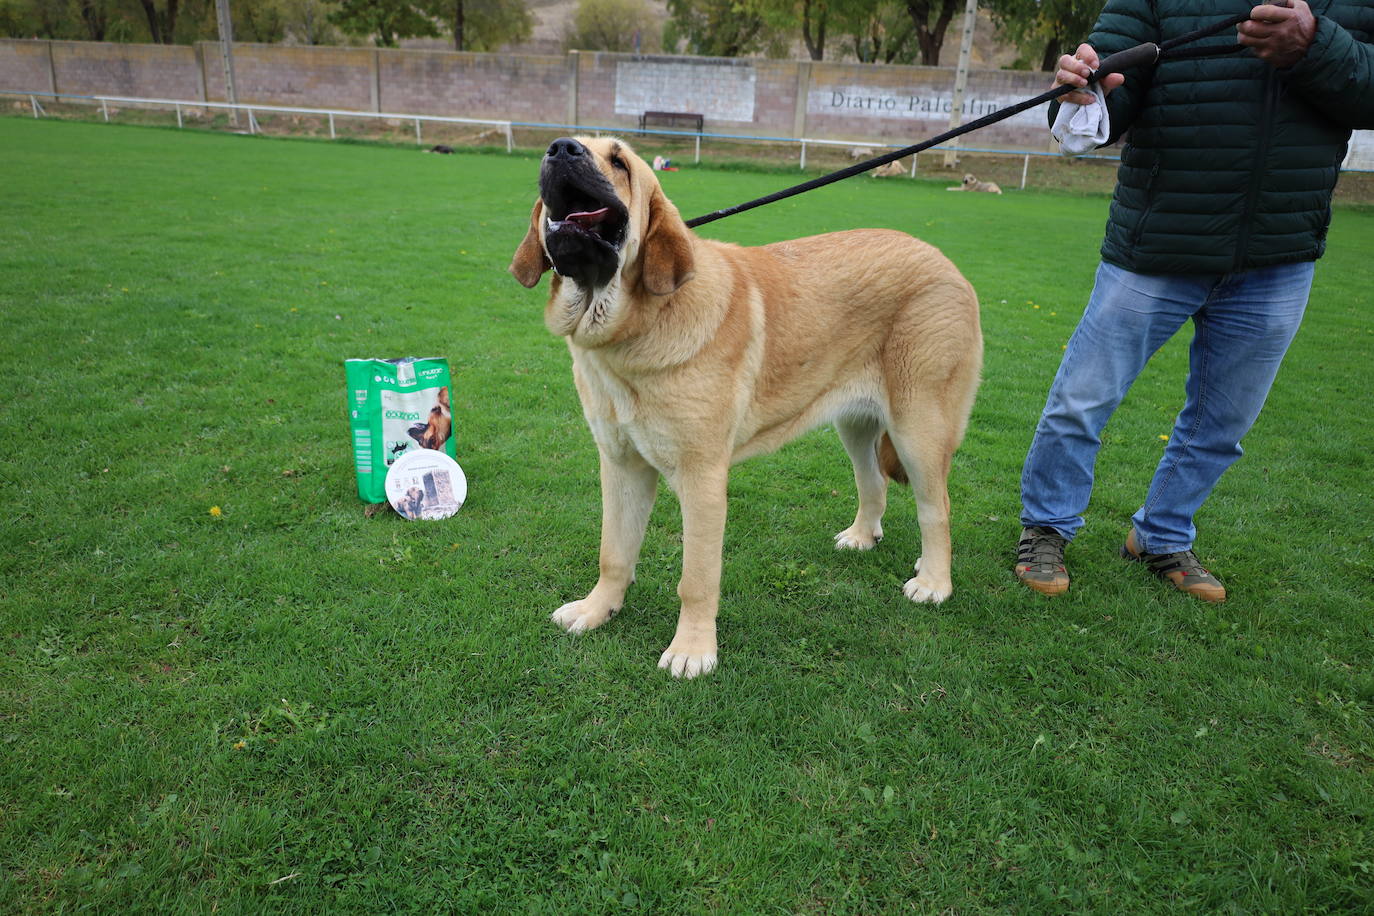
(671, 119)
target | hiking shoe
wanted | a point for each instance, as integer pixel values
(1182, 569)
(1040, 560)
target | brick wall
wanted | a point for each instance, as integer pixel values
(24, 65)
(505, 87)
(90, 68)
(302, 77)
(736, 96)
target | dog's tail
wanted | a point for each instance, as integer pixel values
(888, 461)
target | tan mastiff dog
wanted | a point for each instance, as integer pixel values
(691, 354)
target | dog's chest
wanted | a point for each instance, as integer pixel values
(617, 416)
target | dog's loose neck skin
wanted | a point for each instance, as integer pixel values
(629, 330)
(588, 317)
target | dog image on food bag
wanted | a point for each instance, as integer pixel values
(690, 354)
(435, 431)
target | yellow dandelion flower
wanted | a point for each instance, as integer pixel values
(216, 511)
(1163, 438)
(240, 745)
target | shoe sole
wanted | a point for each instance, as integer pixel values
(1046, 588)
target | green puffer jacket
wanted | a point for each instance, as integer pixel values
(1229, 163)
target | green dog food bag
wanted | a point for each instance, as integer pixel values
(395, 406)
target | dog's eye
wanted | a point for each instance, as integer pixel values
(619, 163)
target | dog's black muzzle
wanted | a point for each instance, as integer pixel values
(585, 220)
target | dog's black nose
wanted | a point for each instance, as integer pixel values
(566, 147)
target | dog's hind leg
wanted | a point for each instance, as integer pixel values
(628, 487)
(860, 438)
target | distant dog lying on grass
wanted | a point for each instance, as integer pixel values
(973, 184)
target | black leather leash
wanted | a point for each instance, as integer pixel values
(1146, 54)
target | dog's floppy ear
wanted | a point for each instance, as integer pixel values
(530, 262)
(667, 248)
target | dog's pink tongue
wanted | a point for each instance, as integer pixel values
(589, 219)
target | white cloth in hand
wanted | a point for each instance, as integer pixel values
(1082, 128)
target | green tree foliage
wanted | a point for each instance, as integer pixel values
(475, 25)
(880, 33)
(95, 20)
(484, 25)
(931, 19)
(167, 21)
(1044, 29)
(874, 31)
(613, 25)
(384, 21)
(307, 21)
(723, 28)
(162, 19)
(95, 16)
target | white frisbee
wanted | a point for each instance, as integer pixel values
(426, 484)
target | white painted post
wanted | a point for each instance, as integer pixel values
(956, 112)
(698, 159)
(914, 157)
(510, 139)
(1025, 167)
(803, 155)
(225, 24)
(331, 125)
(417, 132)
(34, 102)
(179, 124)
(105, 108)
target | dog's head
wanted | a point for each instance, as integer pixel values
(969, 181)
(601, 219)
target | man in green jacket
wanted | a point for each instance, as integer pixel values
(1220, 211)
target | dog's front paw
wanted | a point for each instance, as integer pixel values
(580, 616)
(925, 588)
(857, 537)
(688, 658)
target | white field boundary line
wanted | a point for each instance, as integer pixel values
(331, 113)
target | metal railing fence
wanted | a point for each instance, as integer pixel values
(182, 105)
(803, 143)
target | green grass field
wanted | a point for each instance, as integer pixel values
(289, 707)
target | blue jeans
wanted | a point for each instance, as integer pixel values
(1243, 324)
